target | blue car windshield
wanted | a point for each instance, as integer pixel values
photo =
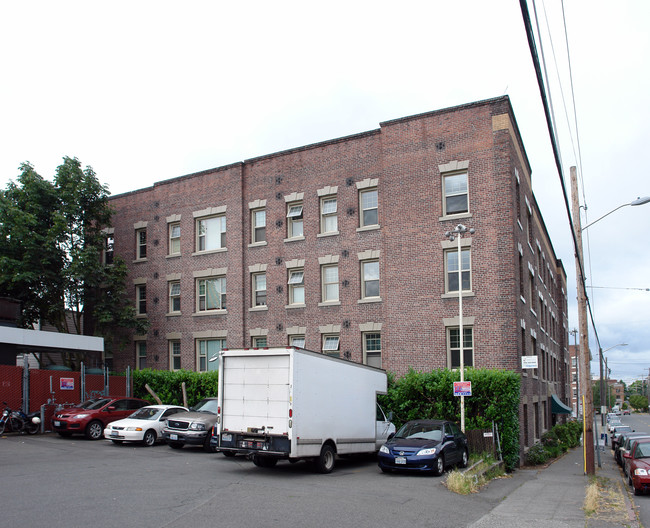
(421, 431)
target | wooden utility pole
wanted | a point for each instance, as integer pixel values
(585, 356)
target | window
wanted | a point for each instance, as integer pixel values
(211, 233)
(259, 289)
(451, 263)
(372, 349)
(141, 354)
(175, 238)
(294, 220)
(258, 220)
(297, 341)
(259, 342)
(141, 299)
(211, 294)
(109, 244)
(331, 345)
(207, 351)
(330, 281)
(453, 346)
(369, 208)
(174, 297)
(455, 190)
(174, 355)
(329, 223)
(369, 279)
(141, 244)
(296, 286)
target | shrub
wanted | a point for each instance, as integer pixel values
(168, 385)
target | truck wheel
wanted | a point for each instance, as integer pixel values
(325, 462)
(264, 461)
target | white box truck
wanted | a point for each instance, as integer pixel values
(293, 404)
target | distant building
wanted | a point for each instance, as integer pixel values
(340, 247)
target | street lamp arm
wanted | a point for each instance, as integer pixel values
(638, 201)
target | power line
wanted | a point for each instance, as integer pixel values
(617, 288)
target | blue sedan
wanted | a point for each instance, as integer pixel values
(425, 446)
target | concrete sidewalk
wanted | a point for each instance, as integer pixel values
(555, 498)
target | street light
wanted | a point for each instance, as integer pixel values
(601, 354)
(451, 235)
(588, 407)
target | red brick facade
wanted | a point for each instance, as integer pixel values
(404, 164)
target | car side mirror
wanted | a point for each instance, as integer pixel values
(390, 416)
(449, 437)
(390, 436)
(627, 455)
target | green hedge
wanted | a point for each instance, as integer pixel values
(168, 385)
(554, 442)
(495, 397)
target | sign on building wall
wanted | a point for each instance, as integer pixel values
(528, 362)
(66, 383)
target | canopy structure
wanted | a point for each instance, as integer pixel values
(557, 407)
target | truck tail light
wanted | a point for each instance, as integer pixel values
(290, 413)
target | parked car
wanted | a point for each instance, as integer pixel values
(626, 461)
(193, 427)
(616, 434)
(611, 416)
(92, 416)
(626, 411)
(624, 442)
(639, 467)
(613, 422)
(145, 425)
(427, 446)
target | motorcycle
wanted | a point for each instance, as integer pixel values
(18, 421)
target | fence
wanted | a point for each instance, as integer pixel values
(33, 389)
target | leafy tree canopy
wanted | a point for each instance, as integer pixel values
(51, 239)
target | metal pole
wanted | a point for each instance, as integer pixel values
(460, 330)
(603, 400)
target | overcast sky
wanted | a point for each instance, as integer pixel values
(149, 90)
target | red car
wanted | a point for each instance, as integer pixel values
(92, 416)
(639, 467)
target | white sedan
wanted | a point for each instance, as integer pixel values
(145, 425)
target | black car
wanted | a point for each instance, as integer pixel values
(425, 446)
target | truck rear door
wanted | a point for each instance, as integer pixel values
(256, 393)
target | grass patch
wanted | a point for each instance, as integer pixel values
(604, 499)
(482, 468)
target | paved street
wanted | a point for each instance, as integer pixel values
(47, 480)
(56, 482)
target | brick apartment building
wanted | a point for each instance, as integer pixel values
(340, 247)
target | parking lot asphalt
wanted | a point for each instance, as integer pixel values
(76, 482)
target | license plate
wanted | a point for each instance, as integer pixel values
(173, 436)
(56, 423)
(226, 437)
(400, 460)
(114, 433)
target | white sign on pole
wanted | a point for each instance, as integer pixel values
(528, 362)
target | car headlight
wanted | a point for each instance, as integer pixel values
(134, 428)
(429, 451)
(197, 426)
(384, 449)
(82, 416)
(640, 471)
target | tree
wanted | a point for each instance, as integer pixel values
(51, 240)
(609, 399)
(638, 402)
